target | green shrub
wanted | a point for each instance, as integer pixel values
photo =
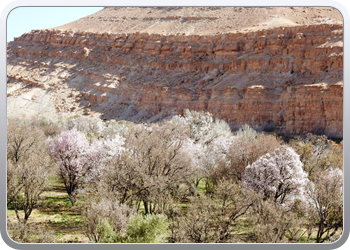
(147, 229)
(107, 233)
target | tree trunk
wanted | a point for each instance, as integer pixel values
(73, 199)
(145, 204)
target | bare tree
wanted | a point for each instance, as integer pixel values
(212, 219)
(326, 203)
(196, 226)
(273, 223)
(28, 170)
(22, 140)
(247, 147)
(317, 153)
(32, 177)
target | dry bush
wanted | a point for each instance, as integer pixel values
(246, 149)
(29, 233)
(91, 126)
(103, 213)
(317, 153)
(49, 128)
(273, 223)
(108, 221)
(212, 219)
(233, 201)
(196, 226)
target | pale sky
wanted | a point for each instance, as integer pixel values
(25, 19)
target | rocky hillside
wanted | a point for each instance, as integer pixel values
(277, 69)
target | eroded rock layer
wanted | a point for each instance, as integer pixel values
(285, 79)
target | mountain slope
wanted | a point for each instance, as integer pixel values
(277, 69)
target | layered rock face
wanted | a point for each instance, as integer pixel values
(285, 79)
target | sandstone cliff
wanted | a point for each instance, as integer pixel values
(286, 76)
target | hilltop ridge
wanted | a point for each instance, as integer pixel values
(200, 20)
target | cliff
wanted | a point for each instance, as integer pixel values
(286, 77)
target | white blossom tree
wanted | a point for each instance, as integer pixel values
(202, 127)
(207, 143)
(278, 175)
(205, 158)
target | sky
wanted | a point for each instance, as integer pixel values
(25, 19)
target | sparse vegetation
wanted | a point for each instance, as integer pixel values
(187, 179)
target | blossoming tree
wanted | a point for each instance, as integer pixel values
(78, 160)
(278, 175)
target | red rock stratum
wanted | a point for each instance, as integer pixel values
(277, 69)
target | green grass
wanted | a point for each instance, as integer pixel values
(65, 223)
(56, 214)
(201, 186)
(55, 201)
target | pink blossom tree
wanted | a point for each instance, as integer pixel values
(69, 149)
(78, 160)
(278, 175)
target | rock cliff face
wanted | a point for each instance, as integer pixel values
(286, 79)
